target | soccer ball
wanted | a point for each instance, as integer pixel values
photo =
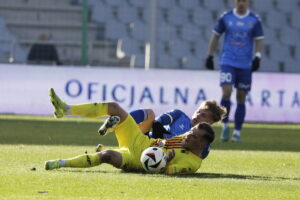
(154, 160)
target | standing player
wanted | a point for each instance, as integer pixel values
(184, 151)
(242, 29)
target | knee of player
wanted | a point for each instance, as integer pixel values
(111, 157)
(151, 114)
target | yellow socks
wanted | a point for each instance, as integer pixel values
(90, 110)
(83, 161)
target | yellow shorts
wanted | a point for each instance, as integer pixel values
(132, 142)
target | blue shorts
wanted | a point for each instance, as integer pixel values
(240, 78)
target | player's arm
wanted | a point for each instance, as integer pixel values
(168, 118)
(213, 43)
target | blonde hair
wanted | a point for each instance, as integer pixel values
(218, 112)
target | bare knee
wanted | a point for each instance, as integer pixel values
(111, 157)
(226, 90)
(151, 114)
(241, 96)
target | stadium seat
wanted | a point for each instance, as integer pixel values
(295, 22)
(139, 3)
(179, 48)
(270, 35)
(215, 5)
(289, 36)
(276, 20)
(291, 66)
(262, 5)
(279, 52)
(268, 65)
(189, 4)
(118, 3)
(127, 14)
(167, 33)
(140, 31)
(166, 4)
(191, 32)
(165, 61)
(115, 30)
(178, 16)
(203, 17)
(139, 61)
(288, 6)
(101, 12)
(193, 62)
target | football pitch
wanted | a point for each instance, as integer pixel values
(266, 165)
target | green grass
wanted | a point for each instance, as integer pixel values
(264, 166)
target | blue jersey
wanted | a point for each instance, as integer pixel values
(240, 33)
(179, 123)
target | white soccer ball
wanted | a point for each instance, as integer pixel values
(154, 160)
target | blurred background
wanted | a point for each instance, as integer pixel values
(120, 32)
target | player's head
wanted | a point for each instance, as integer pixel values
(241, 5)
(209, 112)
(199, 136)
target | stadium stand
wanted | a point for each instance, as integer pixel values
(183, 30)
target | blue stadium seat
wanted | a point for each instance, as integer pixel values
(165, 61)
(140, 31)
(279, 52)
(289, 36)
(288, 6)
(128, 14)
(215, 5)
(291, 66)
(139, 3)
(191, 32)
(100, 12)
(276, 20)
(178, 16)
(167, 33)
(115, 30)
(179, 48)
(166, 4)
(262, 5)
(189, 4)
(295, 22)
(203, 17)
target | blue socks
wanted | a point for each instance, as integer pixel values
(227, 104)
(239, 116)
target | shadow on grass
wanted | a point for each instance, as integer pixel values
(196, 175)
(235, 176)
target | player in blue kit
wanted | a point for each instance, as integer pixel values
(176, 122)
(242, 30)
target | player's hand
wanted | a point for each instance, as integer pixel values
(209, 63)
(158, 130)
(255, 63)
(171, 155)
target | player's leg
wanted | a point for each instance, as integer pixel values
(111, 157)
(144, 118)
(90, 110)
(239, 115)
(226, 81)
(243, 85)
(60, 107)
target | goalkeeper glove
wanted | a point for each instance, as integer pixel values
(158, 130)
(256, 62)
(209, 63)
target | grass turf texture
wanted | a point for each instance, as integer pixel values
(264, 166)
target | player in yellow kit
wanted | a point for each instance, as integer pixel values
(184, 152)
